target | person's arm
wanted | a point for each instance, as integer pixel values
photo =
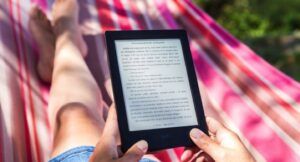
(106, 149)
(224, 146)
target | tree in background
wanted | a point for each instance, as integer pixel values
(270, 27)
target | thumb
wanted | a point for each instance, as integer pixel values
(206, 144)
(136, 152)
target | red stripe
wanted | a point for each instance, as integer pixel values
(40, 3)
(258, 145)
(104, 15)
(237, 106)
(178, 152)
(278, 79)
(122, 16)
(137, 17)
(28, 152)
(246, 71)
(42, 88)
(125, 24)
(27, 84)
(224, 50)
(247, 88)
(163, 155)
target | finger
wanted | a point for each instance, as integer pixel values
(117, 132)
(111, 129)
(108, 145)
(136, 152)
(188, 153)
(205, 143)
(222, 134)
(214, 126)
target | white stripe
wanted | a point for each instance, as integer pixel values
(258, 91)
(97, 29)
(153, 4)
(94, 23)
(277, 91)
(170, 152)
(114, 15)
(6, 99)
(41, 130)
(25, 66)
(142, 9)
(172, 155)
(230, 124)
(129, 14)
(293, 144)
(94, 28)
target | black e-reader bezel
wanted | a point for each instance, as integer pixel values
(156, 138)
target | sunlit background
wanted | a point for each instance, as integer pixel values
(270, 27)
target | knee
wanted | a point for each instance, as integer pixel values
(71, 112)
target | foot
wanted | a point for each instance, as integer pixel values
(65, 23)
(43, 35)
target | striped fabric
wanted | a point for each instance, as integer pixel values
(238, 88)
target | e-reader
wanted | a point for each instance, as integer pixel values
(155, 87)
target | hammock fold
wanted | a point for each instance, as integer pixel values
(238, 87)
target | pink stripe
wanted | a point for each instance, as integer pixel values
(246, 87)
(44, 89)
(28, 152)
(178, 151)
(122, 16)
(203, 69)
(28, 85)
(238, 110)
(28, 79)
(172, 24)
(227, 53)
(277, 78)
(137, 17)
(40, 3)
(104, 15)
(165, 13)
(163, 156)
(44, 93)
(124, 21)
(162, 8)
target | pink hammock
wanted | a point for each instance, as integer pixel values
(238, 88)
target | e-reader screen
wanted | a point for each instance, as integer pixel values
(155, 84)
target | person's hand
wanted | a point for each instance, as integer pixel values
(107, 151)
(224, 146)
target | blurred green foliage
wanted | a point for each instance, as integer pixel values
(270, 27)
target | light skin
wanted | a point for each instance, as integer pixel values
(77, 111)
(223, 145)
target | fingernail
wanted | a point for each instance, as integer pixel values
(143, 145)
(195, 133)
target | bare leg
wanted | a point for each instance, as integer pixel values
(75, 106)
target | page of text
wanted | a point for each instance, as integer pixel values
(155, 84)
